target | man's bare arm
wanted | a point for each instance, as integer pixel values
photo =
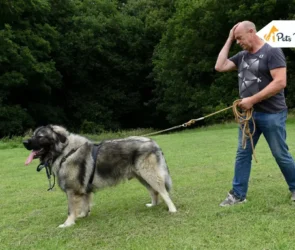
(278, 83)
(223, 63)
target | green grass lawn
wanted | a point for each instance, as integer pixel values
(201, 165)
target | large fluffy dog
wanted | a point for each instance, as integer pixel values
(82, 167)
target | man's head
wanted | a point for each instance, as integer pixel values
(245, 35)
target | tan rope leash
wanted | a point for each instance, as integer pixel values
(189, 123)
(242, 118)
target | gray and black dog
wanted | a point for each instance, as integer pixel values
(82, 167)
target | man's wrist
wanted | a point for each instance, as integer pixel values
(230, 40)
(254, 99)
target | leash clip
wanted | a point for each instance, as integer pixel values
(40, 167)
(48, 173)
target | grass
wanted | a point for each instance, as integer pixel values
(201, 166)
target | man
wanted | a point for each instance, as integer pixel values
(262, 79)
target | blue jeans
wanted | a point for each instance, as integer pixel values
(273, 127)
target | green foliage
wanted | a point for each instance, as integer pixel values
(14, 121)
(27, 72)
(105, 58)
(91, 128)
(114, 64)
(11, 142)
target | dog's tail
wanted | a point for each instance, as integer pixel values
(163, 168)
(168, 182)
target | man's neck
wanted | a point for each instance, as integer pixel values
(258, 43)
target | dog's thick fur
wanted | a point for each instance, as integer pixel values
(71, 160)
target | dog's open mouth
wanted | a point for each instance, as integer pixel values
(33, 155)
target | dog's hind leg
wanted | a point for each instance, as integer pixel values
(160, 188)
(74, 202)
(153, 170)
(154, 194)
(157, 186)
(167, 199)
(155, 198)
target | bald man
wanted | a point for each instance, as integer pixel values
(262, 79)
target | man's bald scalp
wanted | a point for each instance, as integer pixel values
(247, 25)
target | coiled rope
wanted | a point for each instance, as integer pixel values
(241, 117)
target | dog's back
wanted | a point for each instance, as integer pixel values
(123, 158)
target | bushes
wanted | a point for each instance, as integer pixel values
(89, 127)
(14, 121)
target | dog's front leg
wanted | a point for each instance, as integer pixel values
(73, 203)
(85, 206)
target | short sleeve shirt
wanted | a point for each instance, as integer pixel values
(254, 75)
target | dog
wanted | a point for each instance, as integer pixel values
(82, 167)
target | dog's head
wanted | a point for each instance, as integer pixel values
(46, 143)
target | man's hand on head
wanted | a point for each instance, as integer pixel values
(231, 35)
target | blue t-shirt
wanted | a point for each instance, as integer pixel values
(254, 75)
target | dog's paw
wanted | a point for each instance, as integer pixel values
(149, 205)
(66, 225)
(83, 214)
(172, 210)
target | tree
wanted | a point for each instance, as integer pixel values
(27, 72)
(105, 59)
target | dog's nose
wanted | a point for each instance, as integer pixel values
(26, 144)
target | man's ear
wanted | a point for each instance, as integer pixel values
(62, 138)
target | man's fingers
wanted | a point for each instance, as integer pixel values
(233, 29)
(236, 26)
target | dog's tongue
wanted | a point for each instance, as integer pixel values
(31, 157)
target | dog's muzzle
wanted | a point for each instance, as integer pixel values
(27, 144)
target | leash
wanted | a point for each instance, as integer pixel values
(189, 123)
(48, 173)
(242, 118)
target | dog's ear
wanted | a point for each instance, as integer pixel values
(62, 138)
(61, 133)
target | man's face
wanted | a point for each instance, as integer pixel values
(243, 37)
